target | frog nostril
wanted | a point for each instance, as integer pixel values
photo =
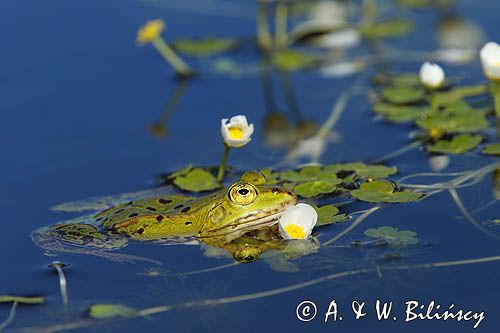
(275, 190)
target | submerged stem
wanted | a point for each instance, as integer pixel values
(172, 58)
(280, 28)
(11, 316)
(222, 167)
(466, 214)
(353, 224)
(62, 281)
(264, 39)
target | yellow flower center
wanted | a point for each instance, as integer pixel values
(150, 31)
(235, 133)
(295, 231)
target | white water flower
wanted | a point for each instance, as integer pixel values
(439, 162)
(341, 39)
(324, 16)
(431, 75)
(236, 131)
(297, 222)
(490, 59)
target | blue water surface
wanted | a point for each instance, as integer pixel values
(77, 98)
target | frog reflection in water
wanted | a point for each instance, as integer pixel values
(237, 219)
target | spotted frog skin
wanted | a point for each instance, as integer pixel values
(219, 219)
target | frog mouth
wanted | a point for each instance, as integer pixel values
(247, 223)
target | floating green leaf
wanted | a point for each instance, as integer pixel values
(197, 180)
(405, 79)
(304, 174)
(370, 171)
(403, 94)
(290, 60)
(22, 299)
(329, 214)
(493, 149)
(458, 145)
(270, 176)
(312, 181)
(205, 46)
(327, 184)
(383, 191)
(393, 236)
(455, 121)
(180, 172)
(458, 94)
(110, 310)
(400, 113)
(390, 28)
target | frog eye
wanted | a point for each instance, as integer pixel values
(242, 193)
(247, 255)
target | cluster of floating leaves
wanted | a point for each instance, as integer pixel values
(393, 236)
(447, 119)
(364, 182)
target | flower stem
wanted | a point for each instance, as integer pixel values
(220, 174)
(177, 63)
(11, 316)
(280, 28)
(62, 283)
(264, 39)
(433, 101)
(495, 90)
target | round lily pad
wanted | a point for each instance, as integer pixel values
(197, 180)
(493, 149)
(389, 28)
(400, 113)
(393, 236)
(459, 93)
(326, 184)
(104, 311)
(458, 145)
(383, 191)
(329, 214)
(304, 174)
(403, 94)
(453, 121)
(291, 60)
(370, 170)
(270, 176)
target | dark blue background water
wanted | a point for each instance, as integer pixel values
(77, 96)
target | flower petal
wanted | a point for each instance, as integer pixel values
(300, 218)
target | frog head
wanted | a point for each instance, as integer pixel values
(244, 207)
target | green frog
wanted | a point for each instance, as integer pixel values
(223, 219)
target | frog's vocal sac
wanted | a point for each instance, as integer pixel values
(221, 219)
